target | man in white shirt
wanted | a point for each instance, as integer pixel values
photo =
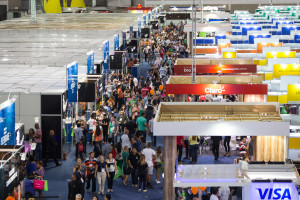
(214, 193)
(125, 139)
(162, 72)
(224, 192)
(135, 81)
(149, 155)
(92, 126)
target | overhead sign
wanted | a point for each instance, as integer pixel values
(116, 40)
(293, 93)
(217, 88)
(286, 69)
(90, 63)
(106, 55)
(7, 123)
(267, 191)
(215, 69)
(72, 70)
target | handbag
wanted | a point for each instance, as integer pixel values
(46, 186)
(80, 147)
(38, 185)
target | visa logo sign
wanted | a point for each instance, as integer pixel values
(271, 193)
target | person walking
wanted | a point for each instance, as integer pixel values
(216, 145)
(81, 172)
(133, 160)
(75, 187)
(111, 169)
(194, 146)
(149, 156)
(38, 139)
(78, 136)
(39, 175)
(158, 162)
(142, 124)
(105, 122)
(113, 129)
(51, 148)
(126, 169)
(227, 145)
(98, 136)
(179, 147)
(101, 174)
(187, 148)
(142, 173)
(91, 164)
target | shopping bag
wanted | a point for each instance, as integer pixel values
(46, 186)
(80, 147)
(38, 185)
(33, 146)
(120, 173)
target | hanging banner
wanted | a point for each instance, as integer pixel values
(159, 9)
(217, 89)
(7, 123)
(131, 31)
(139, 27)
(145, 20)
(90, 63)
(116, 46)
(124, 40)
(72, 70)
(149, 17)
(265, 191)
(106, 55)
(156, 13)
(152, 14)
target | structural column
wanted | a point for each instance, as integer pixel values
(170, 154)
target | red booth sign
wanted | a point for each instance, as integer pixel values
(215, 69)
(217, 89)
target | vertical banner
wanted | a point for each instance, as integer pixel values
(152, 14)
(156, 13)
(33, 11)
(159, 9)
(139, 28)
(131, 31)
(149, 17)
(145, 20)
(72, 70)
(90, 63)
(116, 46)
(7, 123)
(106, 55)
(124, 40)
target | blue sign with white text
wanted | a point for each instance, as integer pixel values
(117, 42)
(72, 82)
(124, 40)
(131, 31)
(106, 55)
(267, 191)
(90, 63)
(139, 27)
(145, 20)
(7, 123)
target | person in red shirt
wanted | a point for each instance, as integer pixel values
(144, 91)
(179, 147)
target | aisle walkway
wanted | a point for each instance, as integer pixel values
(58, 178)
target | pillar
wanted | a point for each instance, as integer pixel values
(169, 166)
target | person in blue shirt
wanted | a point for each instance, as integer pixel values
(30, 166)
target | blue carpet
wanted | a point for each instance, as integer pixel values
(58, 178)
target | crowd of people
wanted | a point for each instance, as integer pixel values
(117, 130)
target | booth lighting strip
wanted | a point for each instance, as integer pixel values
(220, 117)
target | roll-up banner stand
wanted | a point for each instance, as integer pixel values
(124, 40)
(7, 122)
(131, 31)
(106, 55)
(149, 17)
(72, 70)
(139, 27)
(145, 20)
(116, 46)
(90, 63)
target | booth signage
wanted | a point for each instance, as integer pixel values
(149, 18)
(72, 82)
(131, 31)
(286, 69)
(139, 27)
(267, 191)
(217, 89)
(145, 20)
(116, 40)
(214, 69)
(293, 93)
(7, 123)
(106, 55)
(124, 40)
(90, 63)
